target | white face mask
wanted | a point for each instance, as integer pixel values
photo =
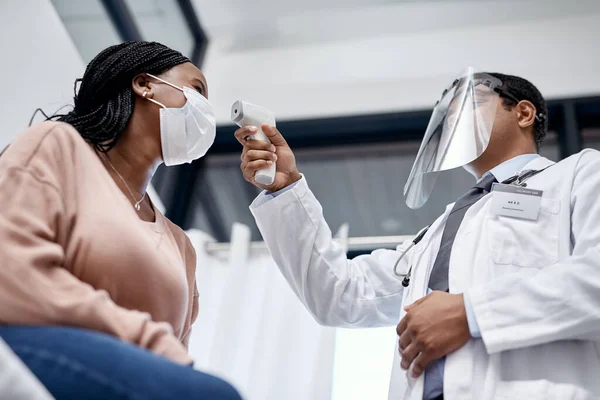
(188, 132)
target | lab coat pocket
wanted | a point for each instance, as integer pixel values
(525, 243)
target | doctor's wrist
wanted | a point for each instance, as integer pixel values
(471, 319)
(294, 177)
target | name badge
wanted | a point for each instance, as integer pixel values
(516, 201)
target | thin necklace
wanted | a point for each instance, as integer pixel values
(137, 203)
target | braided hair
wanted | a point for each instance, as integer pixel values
(105, 100)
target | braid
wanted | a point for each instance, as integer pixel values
(105, 100)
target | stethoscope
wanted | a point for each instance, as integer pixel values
(415, 241)
(518, 180)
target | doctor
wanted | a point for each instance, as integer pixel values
(503, 291)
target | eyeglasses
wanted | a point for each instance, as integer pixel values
(508, 95)
(491, 83)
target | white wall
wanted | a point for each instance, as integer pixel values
(39, 64)
(554, 44)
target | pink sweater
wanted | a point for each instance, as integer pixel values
(74, 252)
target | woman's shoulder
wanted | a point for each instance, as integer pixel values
(48, 141)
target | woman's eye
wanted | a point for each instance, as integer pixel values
(199, 89)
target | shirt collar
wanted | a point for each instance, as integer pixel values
(510, 167)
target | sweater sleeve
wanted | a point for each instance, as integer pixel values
(190, 260)
(34, 286)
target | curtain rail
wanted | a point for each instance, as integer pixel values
(366, 243)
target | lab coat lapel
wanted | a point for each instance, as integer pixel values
(401, 386)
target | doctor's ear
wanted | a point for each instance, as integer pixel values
(525, 113)
(142, 86)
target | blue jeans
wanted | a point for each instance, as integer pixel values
(76, 363)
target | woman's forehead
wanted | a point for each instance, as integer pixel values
(188, 72)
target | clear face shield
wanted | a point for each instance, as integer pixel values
(458, 132)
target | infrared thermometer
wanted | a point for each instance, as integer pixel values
(247, 114)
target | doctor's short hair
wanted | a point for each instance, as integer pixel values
(105, 100)
(522, 89)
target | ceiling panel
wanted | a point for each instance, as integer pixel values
(238, 25)
(92, 31)
(162, 21)
(88, 25)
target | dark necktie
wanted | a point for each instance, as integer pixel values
(439, 274)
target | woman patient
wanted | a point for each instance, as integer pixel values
(97, 287)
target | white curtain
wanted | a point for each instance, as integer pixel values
(253, 331)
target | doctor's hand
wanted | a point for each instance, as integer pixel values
(258, 154)
(433, 327)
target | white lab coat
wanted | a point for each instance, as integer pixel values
(534, 285)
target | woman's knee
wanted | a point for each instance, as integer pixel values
(212, 387)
